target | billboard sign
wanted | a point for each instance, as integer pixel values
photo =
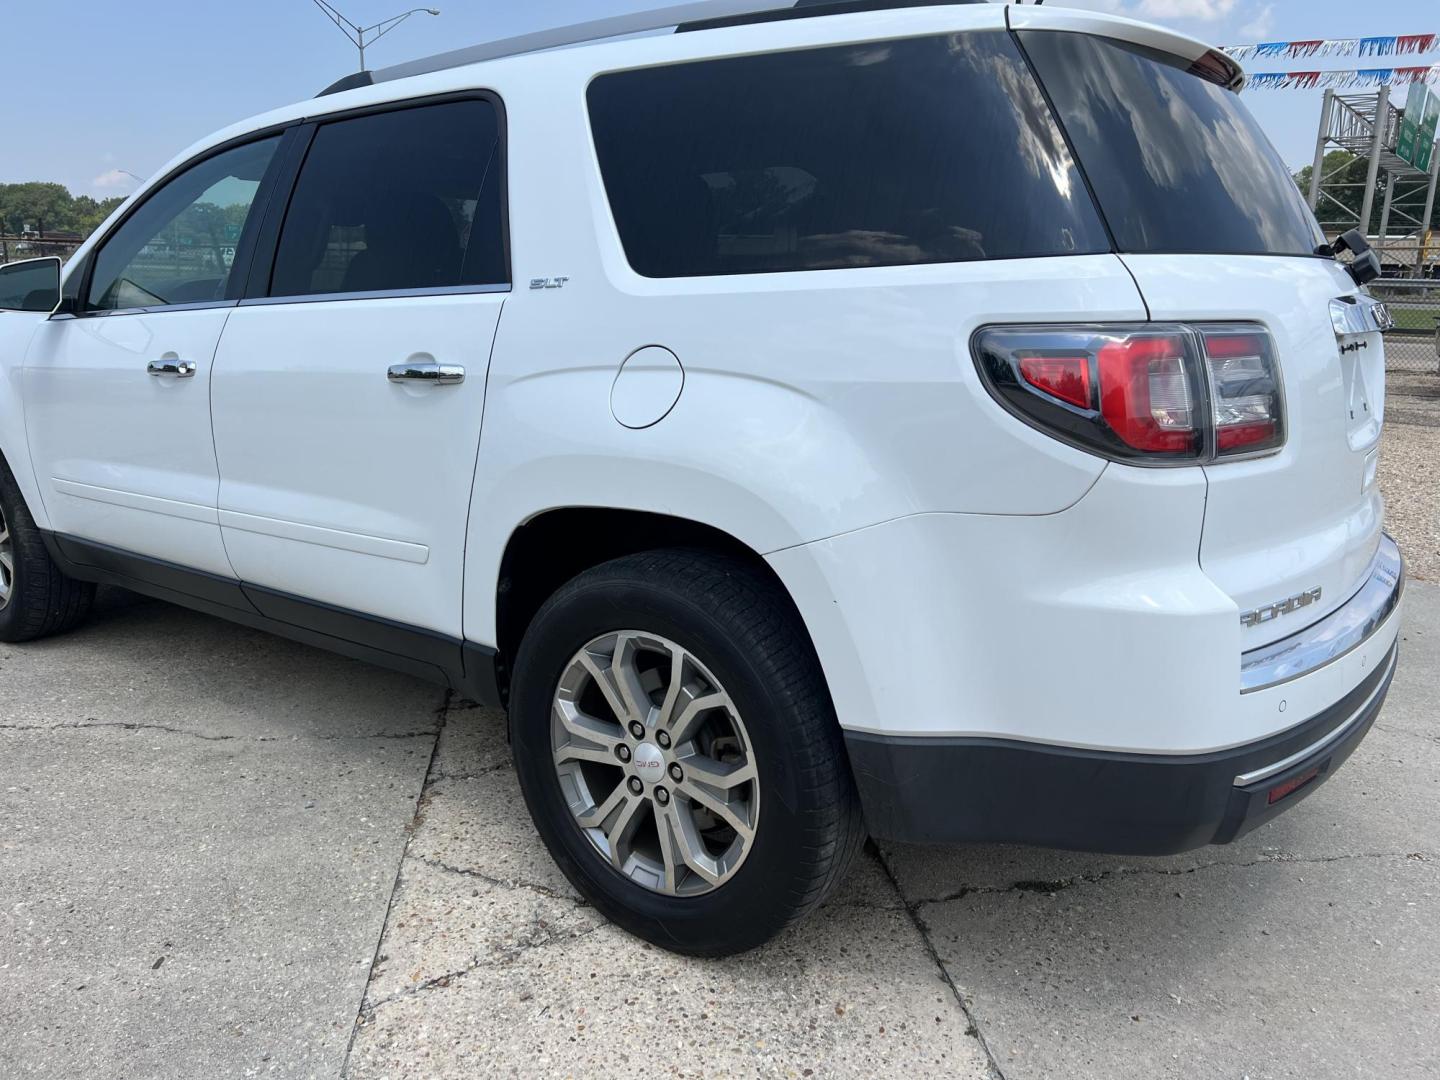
(1425, 137)
(1409, 134)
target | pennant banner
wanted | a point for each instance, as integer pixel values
(1402, 45)
(1343, 80)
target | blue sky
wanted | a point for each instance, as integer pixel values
(142, 79)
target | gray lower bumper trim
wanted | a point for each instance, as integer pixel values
(1336, 634)
(1246, 779)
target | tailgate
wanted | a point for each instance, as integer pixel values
(1310, 516)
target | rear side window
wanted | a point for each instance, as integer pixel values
(924, 150)
(1178, 164)
(396, 201)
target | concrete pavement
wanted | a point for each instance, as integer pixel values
(334, 870)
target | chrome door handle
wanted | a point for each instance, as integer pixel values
(444, 374)
(180, 369)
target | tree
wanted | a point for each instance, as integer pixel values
(1343, 167)
(37, 204)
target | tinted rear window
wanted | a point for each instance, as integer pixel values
(396, 201)
(925, 150)
(1177, 163)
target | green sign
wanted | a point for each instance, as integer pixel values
(1409, 134)
(1425, 138)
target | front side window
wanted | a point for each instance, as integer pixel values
(1178, 163)
(179, 246)
(396, 201)
(922, 150)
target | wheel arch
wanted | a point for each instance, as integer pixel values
(542, 554)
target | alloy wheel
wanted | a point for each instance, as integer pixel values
(655, 763)
(7, 563)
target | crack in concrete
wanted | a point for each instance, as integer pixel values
(1389, 730)
(498, 958)
(500, 883)
(992, 1064)
(125, 726)
(442, 715)
(91, 724)
(478, 774)
(1061, 884)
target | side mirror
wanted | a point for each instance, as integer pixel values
(1366, 267)
(33, 285)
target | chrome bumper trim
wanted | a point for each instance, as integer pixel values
(1335, 635)
(1246, 779)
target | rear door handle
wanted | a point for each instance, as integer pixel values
(179, 369)
(444, 374)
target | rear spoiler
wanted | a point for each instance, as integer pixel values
(1205, 62)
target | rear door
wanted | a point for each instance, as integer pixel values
(348, 396)
(1214, 230)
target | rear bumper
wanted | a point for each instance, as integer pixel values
(943, 790)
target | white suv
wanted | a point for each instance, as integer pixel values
(945, 422)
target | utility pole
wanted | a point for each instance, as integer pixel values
(362, 37)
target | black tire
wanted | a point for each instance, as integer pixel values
(42, 601)
(735, 621)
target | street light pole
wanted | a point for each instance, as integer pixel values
(362, 37)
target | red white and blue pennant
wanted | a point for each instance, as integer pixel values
(1392, 45)
(1343, 80)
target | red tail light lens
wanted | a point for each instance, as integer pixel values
(1153, 393)
(1145, 394)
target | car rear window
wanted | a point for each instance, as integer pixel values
(1177, 163)
(922, 150)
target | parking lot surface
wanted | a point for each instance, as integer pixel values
(222, 854)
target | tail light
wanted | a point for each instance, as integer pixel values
(1245, 389)
(1152, 394)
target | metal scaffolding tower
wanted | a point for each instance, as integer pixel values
(1367, 127)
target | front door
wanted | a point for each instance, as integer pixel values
(348, 396)
(118, 397)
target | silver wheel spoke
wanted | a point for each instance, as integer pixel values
(587, 732)
(7, 562)
(685, 848)
(626, 675)
(692, 711)
(731, 815)
(594, 818)
(620, 833)
(717, 774)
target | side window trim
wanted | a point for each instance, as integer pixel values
(245, 249)
(261, 270)
(292, 154)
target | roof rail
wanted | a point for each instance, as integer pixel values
(689, 15)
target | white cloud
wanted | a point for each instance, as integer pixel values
(1201, 10)
(113, 178)
(1258, 28)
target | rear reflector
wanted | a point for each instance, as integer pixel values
(1294, 784)
(1066, 378)
(1151, 393)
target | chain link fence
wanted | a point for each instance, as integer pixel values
(20, 248)
(1414, 344)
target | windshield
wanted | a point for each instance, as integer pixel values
(1177, 163)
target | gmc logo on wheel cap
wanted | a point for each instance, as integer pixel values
(649, 761)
